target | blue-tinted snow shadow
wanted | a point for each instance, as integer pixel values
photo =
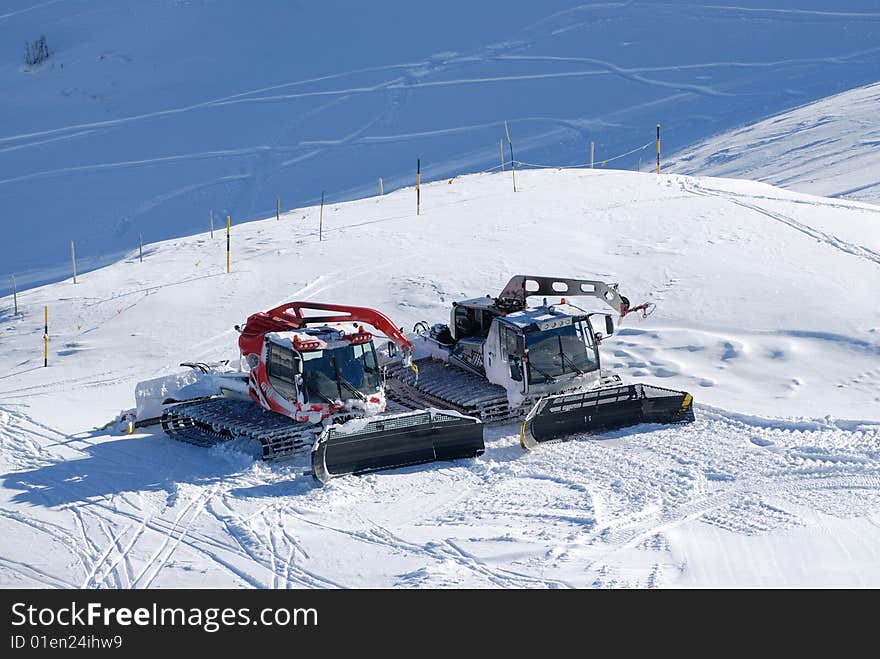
(129, 464)
(839, 339)
(302, 485)
(294, 487)
(155, 463)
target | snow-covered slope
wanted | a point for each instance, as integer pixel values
(830, 148)
(766, 312)
(150, 114)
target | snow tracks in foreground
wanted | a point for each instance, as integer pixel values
(731, 494)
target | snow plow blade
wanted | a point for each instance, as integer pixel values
(559, 416)
(388, 442)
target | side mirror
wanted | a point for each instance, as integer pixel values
(609, 325)
(391, 348)
(297, 367)
(520, 345)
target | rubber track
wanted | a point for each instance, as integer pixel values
(443, 385)
(219, 420)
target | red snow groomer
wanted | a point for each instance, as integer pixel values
(311, 382)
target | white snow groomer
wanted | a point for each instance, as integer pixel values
(501, 359)
(310, 383)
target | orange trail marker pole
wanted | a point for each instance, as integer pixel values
(512, 163)
(321, 219)
(658, 148)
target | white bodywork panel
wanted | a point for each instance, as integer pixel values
(150, 395)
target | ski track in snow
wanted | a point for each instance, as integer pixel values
(506, 61)
(829, 239)
(746, 478)
(827, 147)
(622, 509)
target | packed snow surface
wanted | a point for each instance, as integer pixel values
(147, 115)
(766, 312)
(830, 148)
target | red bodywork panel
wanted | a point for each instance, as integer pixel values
(289, 317)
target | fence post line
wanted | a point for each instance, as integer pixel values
(45, 336)
(381, 191)
(212, 223)
(512, 163)
(228, 242)
(321, 219)
(14, 295)
(592, 152)
(73, 259)
(141, 246)
(277, 209)
(501, 151)
(658, 148)
(418, 186)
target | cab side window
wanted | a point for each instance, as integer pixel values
(279, 368)
(509, 354)
(464, 324)
(472, 322)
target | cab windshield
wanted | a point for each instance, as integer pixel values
(560, 351)
(347, 372)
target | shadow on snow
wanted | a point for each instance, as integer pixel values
(155, 463)
(151, 463)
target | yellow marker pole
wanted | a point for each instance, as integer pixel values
(277, 209)
(512, 163)
(658, 148)
(418, 183)
(45, 336)
(321, 219)
(228, 244)
(73, 259)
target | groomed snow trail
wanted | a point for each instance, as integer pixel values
(113, 136)
(590, 512)
(765, 313)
